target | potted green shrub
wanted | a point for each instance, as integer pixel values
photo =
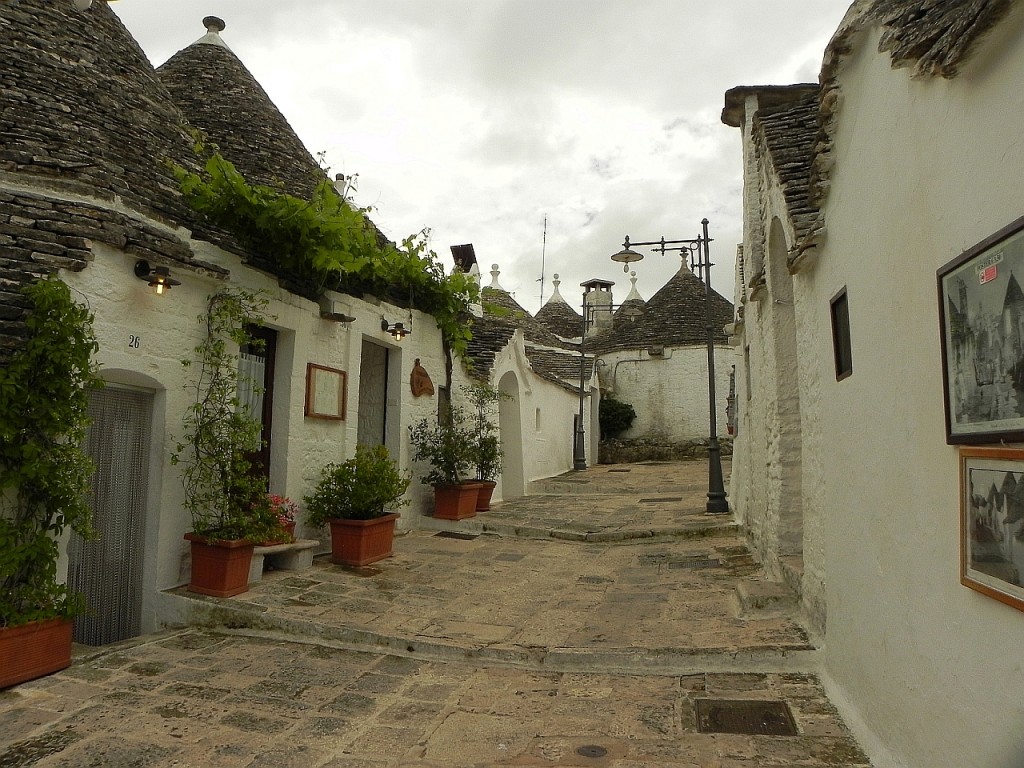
(224, 494)
(485, 443)
(44, 479)
(354, 497)
(447, 444)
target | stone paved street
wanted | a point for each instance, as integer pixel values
(579, 626)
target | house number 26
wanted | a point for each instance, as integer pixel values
(134, 341)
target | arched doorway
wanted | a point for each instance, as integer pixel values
(785, 491)
(510, 423)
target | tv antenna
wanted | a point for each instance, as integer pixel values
(543, 252)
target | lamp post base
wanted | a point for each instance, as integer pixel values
(579, 454)
(717, 503)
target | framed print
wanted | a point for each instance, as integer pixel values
(981, 311)
(992, 522)
(325, 392)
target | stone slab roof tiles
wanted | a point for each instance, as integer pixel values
(561, 319)
(87, 129)
(219, 95)
(82, 111)
(790, 134)
(510, 309)
(674, 316)
(490, 336)
(561, 367)
(934, 37)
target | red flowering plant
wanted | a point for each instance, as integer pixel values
(283, 510)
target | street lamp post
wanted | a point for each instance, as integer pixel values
(700, 258)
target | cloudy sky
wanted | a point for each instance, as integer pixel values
(478, 118)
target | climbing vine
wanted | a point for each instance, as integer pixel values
(44, 472)
(326, 243)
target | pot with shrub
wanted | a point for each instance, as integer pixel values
(486, 445)
(447, 444)
(44, 479)
(354, 498)
(224, 493)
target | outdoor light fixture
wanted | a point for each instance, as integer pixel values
(159, 278)
(398, 330)
(700, 259)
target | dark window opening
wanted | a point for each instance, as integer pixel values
(841, 335)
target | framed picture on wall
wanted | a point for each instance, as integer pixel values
(325, 392)
(992, 522)
(981, 311)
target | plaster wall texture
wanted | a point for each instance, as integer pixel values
(143, 338)
(767, 474)
(924, 169)
(669, 393)
(545, 421)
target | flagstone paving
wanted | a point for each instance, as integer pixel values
(500, 649)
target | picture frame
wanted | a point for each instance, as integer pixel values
(981, 316)
(992, 522)
(326, 392)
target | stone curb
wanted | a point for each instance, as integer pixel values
(250, 620)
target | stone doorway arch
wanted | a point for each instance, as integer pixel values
(510, 423)
(785, 481)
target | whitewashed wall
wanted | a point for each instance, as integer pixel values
(923, 170)
(669, 393)
(166, 329)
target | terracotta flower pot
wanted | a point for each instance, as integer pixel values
(483, 498)
(221, 568)
(361, 542)
(33, 650)
(456, 502)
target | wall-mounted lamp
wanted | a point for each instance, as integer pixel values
(159, 278)
(398, 330)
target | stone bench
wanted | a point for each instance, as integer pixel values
(293, 556)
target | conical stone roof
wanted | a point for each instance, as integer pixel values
(218, 94)
(82, 110)
(674, 316)
(558, 317)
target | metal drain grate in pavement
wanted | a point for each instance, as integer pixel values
(695, 562)
(756, 718)
(674, 561)
(456, 535)
(620, 470)
(661, 499)
(591, 750)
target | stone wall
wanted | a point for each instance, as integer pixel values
(628, 451)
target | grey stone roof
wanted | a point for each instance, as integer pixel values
(790, 133)
(82, 111)
(674, 316)
(561, 367)
(218, 94)
(490, 336)
(558, 317)
(934, 36)
(85, 122)
(509, 309)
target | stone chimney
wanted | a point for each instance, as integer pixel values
(597, 304)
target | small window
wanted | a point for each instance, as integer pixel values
(538, 420)
(746, 370)
(841, 335)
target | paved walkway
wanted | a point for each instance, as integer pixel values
(601, 635)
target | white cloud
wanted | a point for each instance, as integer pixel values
(475, 118)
